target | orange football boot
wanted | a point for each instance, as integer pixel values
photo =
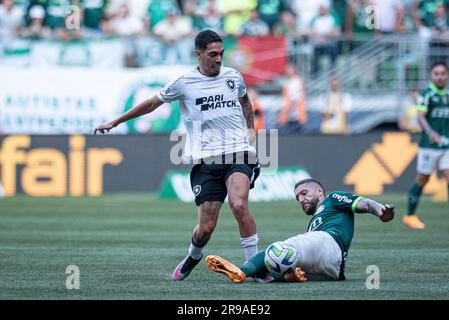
(413, 222)
(218, 264)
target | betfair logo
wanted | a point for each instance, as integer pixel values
(384, 162)
(50, 172)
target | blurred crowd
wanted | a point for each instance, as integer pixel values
(323, 24)
(318, 21)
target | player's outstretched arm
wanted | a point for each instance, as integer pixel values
(384, 212)
(142, 108)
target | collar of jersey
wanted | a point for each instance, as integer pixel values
(435, 89)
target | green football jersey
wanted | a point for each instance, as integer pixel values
(94, 12)
(335, 215)
(56, 13)
(157, 10)
(435, 102)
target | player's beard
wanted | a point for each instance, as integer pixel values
(310, 207)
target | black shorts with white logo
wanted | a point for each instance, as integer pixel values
(208, 180)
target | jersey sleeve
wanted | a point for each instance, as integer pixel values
(242, 85)
(172, 91)
(422, 101)
(344, 201)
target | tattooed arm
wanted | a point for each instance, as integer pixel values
(383, 212)
(247, 109)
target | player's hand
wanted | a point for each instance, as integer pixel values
(296, 276)
(387, 213)
(434, 137)
(104, 127)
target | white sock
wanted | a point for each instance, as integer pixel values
(249, 245)
(194, 251)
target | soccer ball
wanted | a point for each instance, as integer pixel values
(280, 258)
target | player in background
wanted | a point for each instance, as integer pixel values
(323, 248)
(214, 100)
(433, 152)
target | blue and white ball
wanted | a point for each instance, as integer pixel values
(280, 258)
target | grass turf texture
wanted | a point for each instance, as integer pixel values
(126, 247)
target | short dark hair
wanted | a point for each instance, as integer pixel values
(205, 37)
(309, 180)
(439, 63)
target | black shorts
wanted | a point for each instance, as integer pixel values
(208, 181)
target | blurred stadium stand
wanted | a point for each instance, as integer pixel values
(378, 67)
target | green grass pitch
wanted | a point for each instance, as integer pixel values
(126, 247)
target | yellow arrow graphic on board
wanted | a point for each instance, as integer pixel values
(395, 152)
(386, 161)
(368, 176)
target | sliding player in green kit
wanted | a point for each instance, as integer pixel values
(324, 247)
